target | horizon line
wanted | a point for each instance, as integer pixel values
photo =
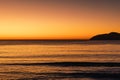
(42, 39)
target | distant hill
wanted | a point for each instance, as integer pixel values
(109, 36)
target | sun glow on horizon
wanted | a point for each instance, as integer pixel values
(57, 19)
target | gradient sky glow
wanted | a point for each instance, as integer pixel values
(58, 19)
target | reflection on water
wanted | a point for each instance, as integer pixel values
(64, 61)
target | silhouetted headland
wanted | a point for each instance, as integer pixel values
(109, 36)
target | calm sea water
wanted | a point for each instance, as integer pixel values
(59, 60)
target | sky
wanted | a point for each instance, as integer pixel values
(58, 19)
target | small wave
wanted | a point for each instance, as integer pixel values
(84, 64)
(68, 75)
(111, 76)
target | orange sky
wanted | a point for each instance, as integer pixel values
(58, 19)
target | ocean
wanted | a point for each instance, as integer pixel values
(60, 60)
